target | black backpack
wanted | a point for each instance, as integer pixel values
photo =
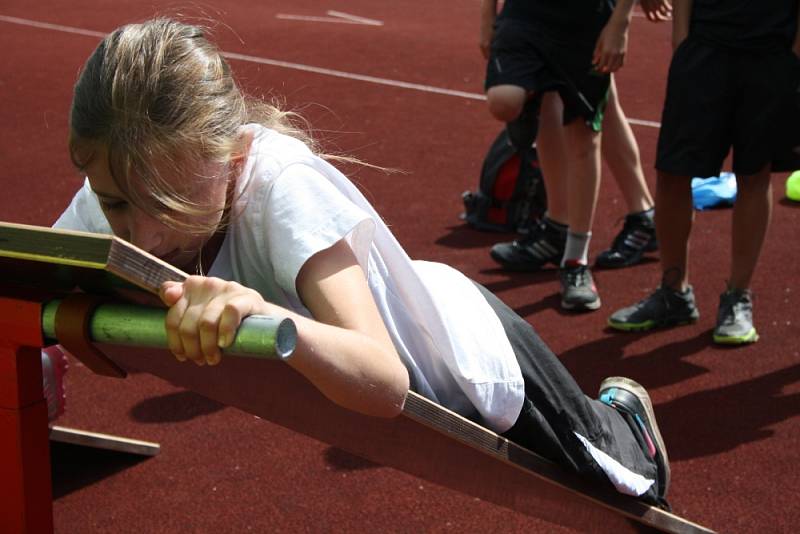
(511, 195)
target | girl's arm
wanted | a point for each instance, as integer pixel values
(345, 351)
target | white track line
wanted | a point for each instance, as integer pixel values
(48, 26)
(297, 66)
(641, 122)
(351, 76)
(311, 18)
(362, 20)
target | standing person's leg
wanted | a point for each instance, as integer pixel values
(766, 125)
(674, 220)
(621, 153)
(553, 159)
(515, 62)
(546, 241)
(697, 128)
(578, 291)
(601, 439)
(752, 212)
(584, 178)
(751, 216)
(673, 302)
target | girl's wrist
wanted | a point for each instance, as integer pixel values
(619, 23)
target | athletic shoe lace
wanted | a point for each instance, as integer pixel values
(734, 303)
(578, 276)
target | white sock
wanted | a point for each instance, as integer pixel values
(577, 248)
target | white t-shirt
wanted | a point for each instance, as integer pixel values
(292, 204)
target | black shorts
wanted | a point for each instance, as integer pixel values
(718, 99)
(535, 59)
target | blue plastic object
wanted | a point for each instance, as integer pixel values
(714, 192)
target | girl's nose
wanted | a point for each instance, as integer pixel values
(145, 232)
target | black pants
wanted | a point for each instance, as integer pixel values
(555, 409)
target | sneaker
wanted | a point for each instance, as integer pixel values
(638, 235)
(578, 292)
(664, 307)
(735, 318)
(54, 365)
(544, 244)
(630, 398)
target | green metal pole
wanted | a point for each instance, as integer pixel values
(258, 336)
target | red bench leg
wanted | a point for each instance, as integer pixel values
(26, 488)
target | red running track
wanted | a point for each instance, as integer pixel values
(730, 417)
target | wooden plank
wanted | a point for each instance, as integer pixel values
(427, 441)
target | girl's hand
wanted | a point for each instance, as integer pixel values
(657, 10)
(611, 47)
(204, 314)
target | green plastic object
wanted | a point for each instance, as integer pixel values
(793, 186)
(126, 324)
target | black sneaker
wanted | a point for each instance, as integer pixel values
(578, 292)
(630, 398)
(544, 244)
(735, 318)
(637, 236)
(664, 307)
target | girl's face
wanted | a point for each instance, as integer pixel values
(177, 247)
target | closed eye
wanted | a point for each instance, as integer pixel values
(113, 205)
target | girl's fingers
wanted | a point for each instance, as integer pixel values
(232, 316)
(171, 292)
(172, 325)
(205, 316)
(208, 327)
(190, 334)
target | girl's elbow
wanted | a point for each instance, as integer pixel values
(396, 398)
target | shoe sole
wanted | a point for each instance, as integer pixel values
(750, 337)
(640, 393)
(652, 246)
(626, 263)
(589, 306)
(522, 268)
(649, 325)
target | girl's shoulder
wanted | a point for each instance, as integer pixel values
(278, 149)
(273, 155)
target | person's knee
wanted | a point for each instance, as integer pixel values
(506, 102)
(582, 141)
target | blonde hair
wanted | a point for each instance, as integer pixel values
(160, 96)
